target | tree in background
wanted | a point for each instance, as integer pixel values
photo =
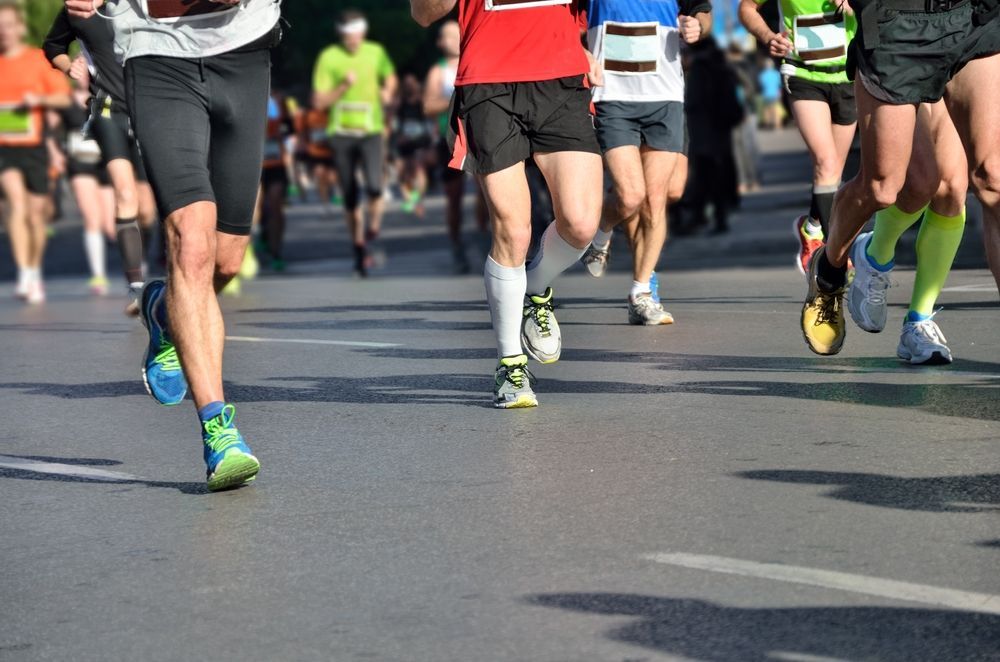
(40, 14)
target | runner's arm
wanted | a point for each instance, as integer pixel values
(83, 8)
(58, 41)
(695, 27)
(777, 44)
(435, 103)
(426, 12)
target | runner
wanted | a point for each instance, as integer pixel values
(134, 211)
(813, 44)
(317, 156)
(908, 53)
(439, 88)
(937, 173)
(640, 126)
(197, 89)
(90, 184)
(522, 93)
(412, 138)
(28, 86)
(274, 182)
(354, 80)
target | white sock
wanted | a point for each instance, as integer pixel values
(93, 243)
(602, 239)
(639, 288)
(23, 278)
(813, 226)
(554, 257)
(505, 287)
(33, 275)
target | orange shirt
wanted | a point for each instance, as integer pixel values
(28, 72)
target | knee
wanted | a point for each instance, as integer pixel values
(985, 180)
(951, 192)
(126, 197)
(827, 168)
(227, 267)
(192, 249)
(883, 191)
(630, 200)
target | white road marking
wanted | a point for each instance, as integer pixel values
(306, 341)
(884, 588)
(58, 469)
(984, 287)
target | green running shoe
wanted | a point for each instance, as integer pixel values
(228, 460)
(513, 382)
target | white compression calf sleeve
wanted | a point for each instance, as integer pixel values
(93, 243)
(505, 287)
(554, 257)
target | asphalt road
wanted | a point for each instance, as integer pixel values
(707, 491)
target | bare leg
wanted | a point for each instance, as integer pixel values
(16, 194)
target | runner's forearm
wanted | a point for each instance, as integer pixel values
(754, 23)
(62, 63)
(324, 100)
(426, 12)
(705, 21)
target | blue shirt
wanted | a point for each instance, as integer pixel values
(770, 84)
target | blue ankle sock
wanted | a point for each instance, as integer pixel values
(913, 316)
(875, 264)
(210, 411)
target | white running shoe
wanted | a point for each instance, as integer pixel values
(644, 311)
(539, 329)
(36, 292)
(596, 260)
(922, 343)
(866, 296)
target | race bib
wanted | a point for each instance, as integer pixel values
(353, 117)
(820, 37)
(15, 122)
(83, 149)
(631, 48)
(498, 5)
(176, 11)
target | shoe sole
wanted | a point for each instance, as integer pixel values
(535, 357)
(597, 275)
(936, 358)
(233, 471)
(666, 321)
(522, 402)
(798, 258)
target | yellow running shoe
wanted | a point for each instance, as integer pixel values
(823, 324)
(250, 265)
(232, 288)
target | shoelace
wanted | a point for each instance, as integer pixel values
(540, 313)
(517, 375)
(220, 433)
(646, 304)
(928, 330)
(877, 285)
(167, 357)
(828, 305)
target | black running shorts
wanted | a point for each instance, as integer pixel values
(905, 57)
(353, 153)
(201, 126)
(659, 125)
(505, 123)
(839, 96)
(31, 162)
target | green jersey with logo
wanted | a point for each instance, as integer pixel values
(820, 33)
(359, 111)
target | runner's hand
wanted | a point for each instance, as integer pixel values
(78, 71)
(690, 28)
(31, 101)
(780, 46)
(596, 74)
(83, 8)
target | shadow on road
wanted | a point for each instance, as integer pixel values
(937, 494)
(707, 631)
(28, 474)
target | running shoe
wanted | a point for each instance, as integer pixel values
(134, 295)
(228, 460)
(278, 265)
(250, 267)
(596, 260)
(161, 370)
(822, 314)
(643, 310)
(539, 328)
(98, 286)
(922, 343)
(36, 292)
(866, 293)
(23, 286)
(233, 288)
(513, 382)
(808, 244)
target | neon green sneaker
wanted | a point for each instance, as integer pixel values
(228, 460)
(513, 382)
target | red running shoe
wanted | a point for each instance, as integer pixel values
(808, 244)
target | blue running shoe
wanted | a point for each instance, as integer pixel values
(161, 368)
(228, 459)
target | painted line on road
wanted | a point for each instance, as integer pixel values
(842, 581)
(984, 287)
(55, 468)
(306, 341)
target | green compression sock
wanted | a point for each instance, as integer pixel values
(890, 224)
(937, 245)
